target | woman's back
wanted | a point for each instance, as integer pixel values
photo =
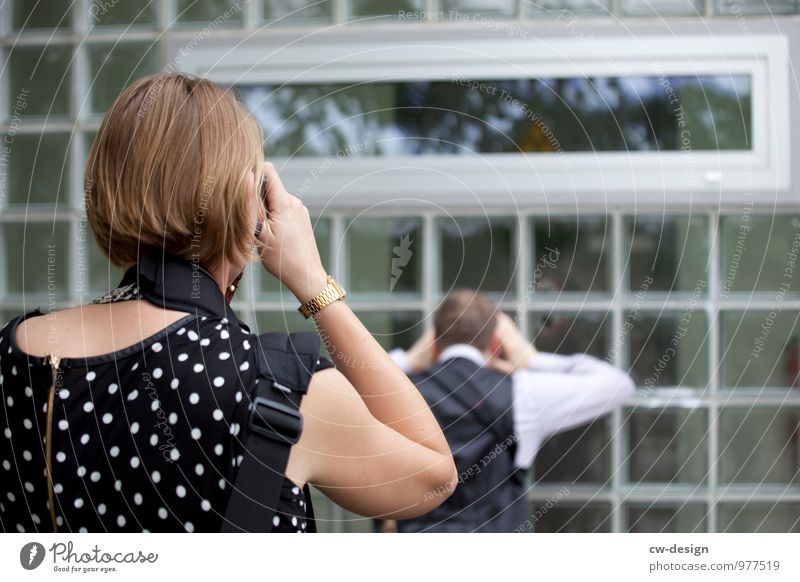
(144, 438)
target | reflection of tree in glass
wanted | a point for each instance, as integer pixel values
(644, 113)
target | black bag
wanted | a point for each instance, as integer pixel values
(285, 366)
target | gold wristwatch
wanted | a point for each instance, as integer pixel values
(332, 292)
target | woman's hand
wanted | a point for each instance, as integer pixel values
(290, 250)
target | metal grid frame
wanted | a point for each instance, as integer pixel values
(618, 494)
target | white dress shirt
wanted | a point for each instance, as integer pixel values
(553, 394)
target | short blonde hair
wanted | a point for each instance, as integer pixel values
(168, 170)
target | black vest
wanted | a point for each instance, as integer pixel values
(473, 405)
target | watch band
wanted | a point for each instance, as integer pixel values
(332, 292)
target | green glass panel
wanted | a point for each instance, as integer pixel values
(393, 329)
(41, 14)
(399, 9)
(578, 456)
(667, 254)
(570, 518)
(760, 254)
(663, 7)
(384, 255)
(565, 333)
(117, 13)
(738, 8)
(568, 10)
(659, 517)
(38, 169)
(36, 260)
(668, 446)
(758, 517)
(212, 13)
(95, 275)
(761, 349)
(290, 11)
(115, 66)
(459, 10)
(478, 253)
(570, 255)
(282, 321)
(668, 348)
(39, 81)
(760, 445)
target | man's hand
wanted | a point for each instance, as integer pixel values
(389, 526)
(516, 351)
(422, 354)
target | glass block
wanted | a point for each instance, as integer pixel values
(271, 288)
(568, 9)
(759, 517)
(760, 349)
(39, 81)
(393, 329)
(569, 333)
(38, 168)
(324, 512)
(216, 13)
(669, 348)
(44, 14)
(384, 255)
(570, 255)
(663, 7)
(95, 275)
(7, 315)
(290, 11)
(578, 456)
(767, 7)
(760, 445)
(282, 322)
(354, 523)
(35, 260)
(667, 445)
(110, 13)
(478, 253)
(667, 254)
(454, 9)
(398, 9)
(115, 66)
(658, 517)
(571, 518)
(757, 253)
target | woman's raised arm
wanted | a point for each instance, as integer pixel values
(371, 441)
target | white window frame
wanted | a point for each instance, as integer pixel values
(509, 180)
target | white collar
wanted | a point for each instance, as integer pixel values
(463, 351)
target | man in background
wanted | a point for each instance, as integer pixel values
(497, 400)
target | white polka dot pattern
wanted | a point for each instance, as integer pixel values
(147, 439)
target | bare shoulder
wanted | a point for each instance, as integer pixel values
(89, 330)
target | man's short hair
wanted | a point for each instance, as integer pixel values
(465, 316)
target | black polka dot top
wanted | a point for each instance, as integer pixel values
(144, 439)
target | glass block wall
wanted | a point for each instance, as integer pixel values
(698, 304)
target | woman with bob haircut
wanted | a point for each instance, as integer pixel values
(128, 414)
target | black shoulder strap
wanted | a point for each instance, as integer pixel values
(285, 365)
